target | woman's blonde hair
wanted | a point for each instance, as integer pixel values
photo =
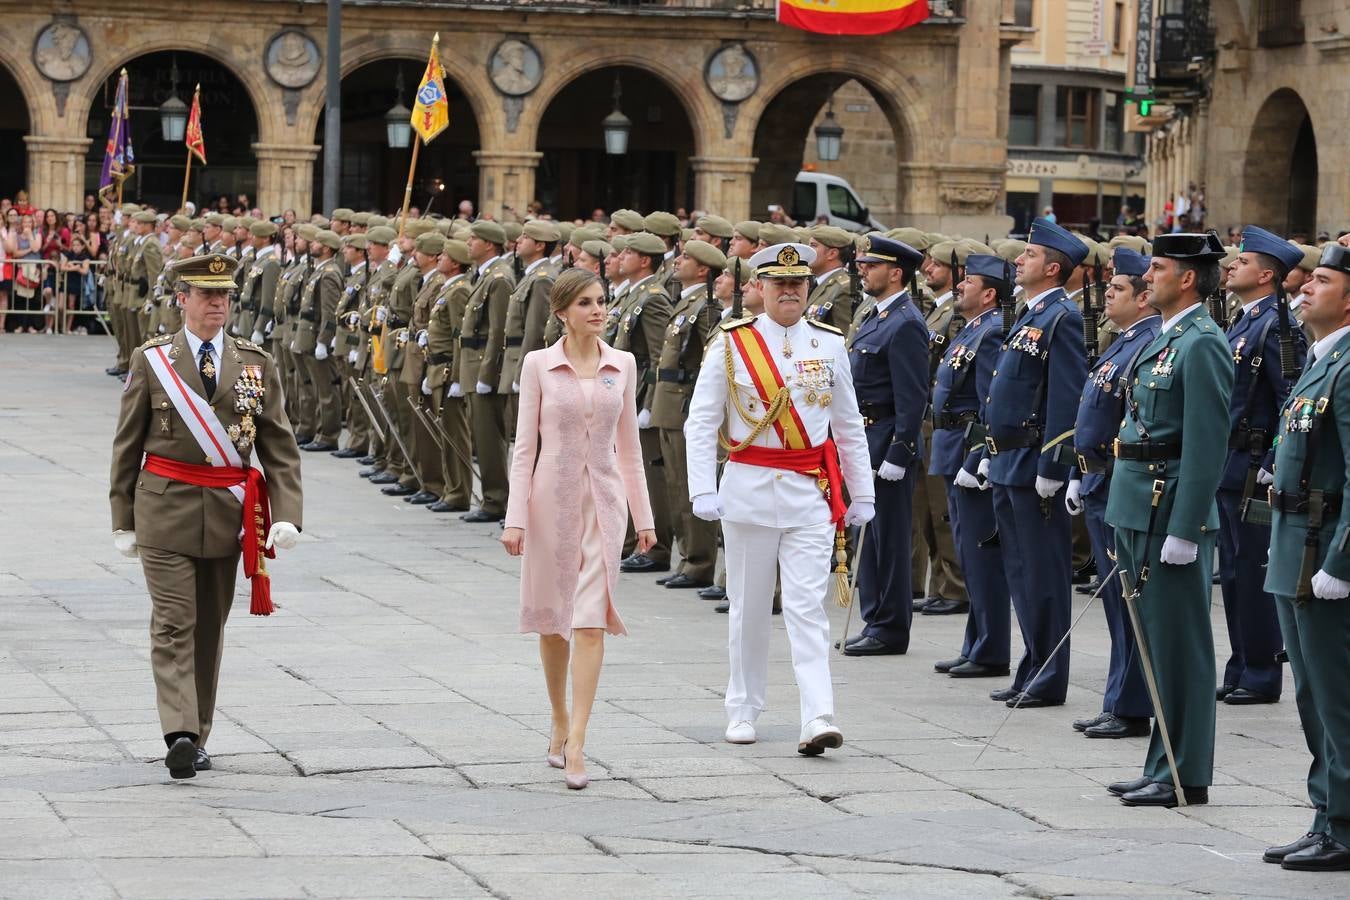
(568, 287)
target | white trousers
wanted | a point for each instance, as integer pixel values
(755, 554)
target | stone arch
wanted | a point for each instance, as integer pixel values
(1280, 169)
(16, 122)
(32, 87)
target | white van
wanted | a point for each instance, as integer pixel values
(819, 197)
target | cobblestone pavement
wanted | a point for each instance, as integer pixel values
(383, 734)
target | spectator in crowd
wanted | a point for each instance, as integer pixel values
(1049, 214)
(23, 246)
(75, 264)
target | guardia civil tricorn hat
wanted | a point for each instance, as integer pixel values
(215, 270)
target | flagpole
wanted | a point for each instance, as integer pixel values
(407, 190)
(187, 169)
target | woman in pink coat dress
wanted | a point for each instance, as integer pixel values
(575, 477)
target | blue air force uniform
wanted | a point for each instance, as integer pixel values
(889, 361)
(1100, 411)
(1259, 389)
(1032, 399)
(960, 392)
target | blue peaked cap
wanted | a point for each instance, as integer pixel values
(1048, 234)
(987, 266)
(1258, 240)
(1129, 262)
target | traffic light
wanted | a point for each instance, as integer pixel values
(1146, 106)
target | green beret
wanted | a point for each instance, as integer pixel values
(544, 231)
(229, 223)
(749, 229)
(737, 265)
(627, 219)
(619, 242)
(362, 219)
(771, 233)
(144, 217)
(198, 225)
(129, 208)
(318, 221)
(342, 214)
(1097, 254)
(512, 230)
(330, 239)
(374, 220)
(381, 234)
(1312, 257)
(705, 254)
(306, 231)
(443, 227)
(565, 230)
(415, 228)
(215, 218)
(456, 250)
(1129, 242)
(831, 236)
(215, 270)
(431, 243)
(1230, 255)
(662, 223)
(1011, 249)
(715, 226)
(598, 249)
(646, 242)
(182, 223)
(912, 236)
(263, 229)
(492, 232)
(244, 222)
(686, 234)
(356, 241)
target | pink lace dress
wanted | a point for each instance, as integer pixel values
(591, 603)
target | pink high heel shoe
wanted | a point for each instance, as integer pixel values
(557, 760)
(575, 782)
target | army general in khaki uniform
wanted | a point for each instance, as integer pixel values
(196, 407)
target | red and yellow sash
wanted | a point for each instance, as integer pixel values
(769, 381)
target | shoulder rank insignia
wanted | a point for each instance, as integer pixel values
(244, 344)
(157, 340)
(824, 326)
(732, 324)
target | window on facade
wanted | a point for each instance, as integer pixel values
(1118, 27)
(842, 203)
(1024, 114)
(1076, 117)
(1023, 12)
(1115, 121)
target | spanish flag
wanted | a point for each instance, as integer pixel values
(431, 111)
(193, 137)
(852, 16)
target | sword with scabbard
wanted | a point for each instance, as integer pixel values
(434, 425)
(398, 439)
(852, 586)
(361, 396)
(422, 417)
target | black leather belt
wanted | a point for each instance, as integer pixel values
(515, 341)
(1249, 439)
(954, 420)
(307, 316)
(649, 376)
(1095, 466)
(437, 359)
(1290, 502)
(876, 411)
(1147, 451)
(1013, 439)
(473, 343)
(675, 376)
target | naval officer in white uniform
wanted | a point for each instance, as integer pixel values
(777, 388)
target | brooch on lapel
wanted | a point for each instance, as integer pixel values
(248, 401)
(608, 381)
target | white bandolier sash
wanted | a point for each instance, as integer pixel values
(202, 421)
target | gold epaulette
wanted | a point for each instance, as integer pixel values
(732, 324)
(244, 344)
(158, 339)
(824, 326)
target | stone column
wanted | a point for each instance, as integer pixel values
(722, 183)
(506, 180)
(56, 171)
(286, 178)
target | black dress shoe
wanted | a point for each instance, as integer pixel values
(478, 515)
(440, 506)
(367, 460)
(724, 607)
(972, 669)
(348, 453)
(1125, 787)
(945, 607)
(921, 603)
(370, 473)
(1327, 855)
(1085, 574)
(421, 498)
(1004, 695)
(1116, 726)
(396, 489)
(682, 580)
(203, 761)
(303, 439)
(179, 760)
(112, 370)
(946, 665)
(713, 592)
(1277, 854)
(1159, 794)
(319, 447)
(385, 477)
(1085, 724)
(870, 646)
(640, 562)
(1243, 697)
(662, 581)
(1224, 690)
(1087, 590)
(1031, 701)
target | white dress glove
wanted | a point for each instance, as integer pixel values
(283, 536)
(644, 418)
(708, 507)
(455, 390)
(422, 338)
(426, 387)
(1073, 498)
(320, 351)
(293, 347)
(890, 472)
(515, 387)
(1047, 487)
(860, 512)
(351, 357)
(966, 480)
(1329, 587)
(1264, 477)
(483, 388)
(381, 314)
(125, 542)
(258, 337)
(1178, 552)
(982, 469)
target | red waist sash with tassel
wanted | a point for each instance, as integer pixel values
(820, 463)
(257, 516)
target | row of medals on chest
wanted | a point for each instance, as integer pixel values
(813, 376)
(248, 402)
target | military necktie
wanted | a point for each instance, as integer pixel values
(208, 370)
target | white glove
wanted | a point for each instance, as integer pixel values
(426, 387)
(150, 308)
(294, 347)
(860, 512)
(1329, 587)
(483, 388)
(269, 328)
(125, 542)
(381, 314)
(332, 342)
(321, 351)
(644, 418)
(283, 536)
(890, 472)
(455, 390)
(708, 507)
(1047, 487)
(982, 469)
(1178, 552)
(351, 357)
(1264, 477)
(1073, 498)
(515, 387)
(258, 337)
(966, 480)
(422, 338)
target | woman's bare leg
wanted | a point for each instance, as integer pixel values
(554, 652)
(588, 655)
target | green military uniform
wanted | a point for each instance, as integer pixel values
(482, 347)
(527, 318)
(1312, 457)
(398, 312)
(426, 452)
(348, 342)
(369, 362)
(447, 315)
(187, 536)
(314, 337)
(147, 261)
(119, 260)
(1164, 484)
(258, 284)
(831, 300)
